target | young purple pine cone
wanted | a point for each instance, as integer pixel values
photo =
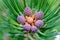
(34, 29)
(27, 27)
(39, 23)
(28, 11)
(21, 19)
(39, 15)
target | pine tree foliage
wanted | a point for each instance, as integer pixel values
(11, 9)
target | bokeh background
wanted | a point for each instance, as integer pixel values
(4, 31)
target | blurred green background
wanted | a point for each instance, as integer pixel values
(3, 9)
